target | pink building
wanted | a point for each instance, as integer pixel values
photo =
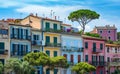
(112, 53)
(107, 32)
(94, 53)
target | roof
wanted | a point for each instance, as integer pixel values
(106, 27)
(49, 19)
(112, 45)
(92, 38)
(66, 24)
(20, 25)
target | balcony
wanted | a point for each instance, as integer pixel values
(98, 63)
(52, 30)
(53, 44)
(3, 52)
(38, 43)
(96, 51)
(72, 49)
(71, 63)
(117, 63)
(21, 37)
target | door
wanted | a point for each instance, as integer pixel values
(55, 26)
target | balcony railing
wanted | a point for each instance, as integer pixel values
(71, 63)
(53, 44)
(21, 37)
(37, 43)
(3, 52)
(52, 30)
(72, 49)
(98, 63)
(96, 50)
(117, 63)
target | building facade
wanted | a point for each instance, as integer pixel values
(4, 42)
(72, 49)
(94, 53)
(106, 32)
(20, 40)
(112, 53)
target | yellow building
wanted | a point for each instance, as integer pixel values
(50, 35)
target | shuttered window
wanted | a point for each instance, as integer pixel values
(1, 48)
(48, 53)
(55, 53)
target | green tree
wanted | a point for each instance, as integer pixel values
(83, 17)
(17, 66)
(1, 67)
(83, 67)
(40, 58)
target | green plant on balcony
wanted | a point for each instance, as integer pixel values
(92, 34)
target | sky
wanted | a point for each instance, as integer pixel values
(109, 10)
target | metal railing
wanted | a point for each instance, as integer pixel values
(24, 37)
(53, 44)
(3, 52)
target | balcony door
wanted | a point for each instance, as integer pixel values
(47, 26)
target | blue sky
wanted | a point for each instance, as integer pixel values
(108, 9)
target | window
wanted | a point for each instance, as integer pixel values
(47, 39)
(55, 53)
(55, 26)
(55, 71)
(65, 55)
(47, 24)
(109, 31)
(101, 46)
(2, 48)
(3, 61)
(109, 38)
(94, 47)
(79, 58)
(55, 40)
(48, 52)
(86, 45)
(108, 59)
(71, 58)
(100, 31)
(36, 37)
(3, 31)
(86, 58)
(101, 71)
(47, 71)
(115, 50)
(108, 49)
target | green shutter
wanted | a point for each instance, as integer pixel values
(55, 26)
(101, 46)
(55, 53)
(86, 58)
(55, 39)
(48, 53)
(94, 46)
(1, 48)
(47, 39)
(86, 45)
(55, 71)
(47, 25)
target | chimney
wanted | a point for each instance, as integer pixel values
(31, 14)
(36, 15)
(55, 17)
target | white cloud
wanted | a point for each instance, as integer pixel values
(62, 11)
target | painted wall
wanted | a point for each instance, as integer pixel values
(106, 35)
(70, 41)
(88, 51)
